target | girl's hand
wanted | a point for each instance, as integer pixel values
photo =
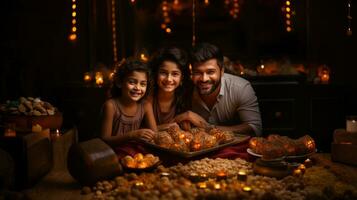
(143, 134)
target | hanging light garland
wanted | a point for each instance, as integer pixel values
(73, 34)
(114, 33)
(288, 13)
(193, 23)
(233, 7)
(166, 18)
(349, 18)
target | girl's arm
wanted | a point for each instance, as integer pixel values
(150, 121)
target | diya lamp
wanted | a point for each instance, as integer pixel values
(242, 175)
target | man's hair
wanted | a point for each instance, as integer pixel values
(205, 51)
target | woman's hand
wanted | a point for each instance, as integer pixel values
(193, 118)
(142, 134)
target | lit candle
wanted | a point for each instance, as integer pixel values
(87, 77)
(308, 163)
(139, 185)
(217, 186)
(325, 77)
(10, 130)
(165, 174)
(297, 173)
(99, 78)
(194, 177)
(302, 168)
(202, 185)
(351, 124)
(221, 175)
(247, 189)
(242, 175)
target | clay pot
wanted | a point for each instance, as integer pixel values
(91, 161)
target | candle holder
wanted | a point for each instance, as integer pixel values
(221, 175)
(10, 130)
(351, 124)
(242, 175)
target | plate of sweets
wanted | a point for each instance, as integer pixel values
(195, 142)
(277, 147)
(140, 162)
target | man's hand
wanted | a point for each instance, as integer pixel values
(191, 117)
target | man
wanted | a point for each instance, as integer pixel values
(220, 100)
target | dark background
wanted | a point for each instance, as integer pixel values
(37, 58)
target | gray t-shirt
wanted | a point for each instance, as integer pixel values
(236, 103)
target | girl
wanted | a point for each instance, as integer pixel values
(123, 113)
(172, 85)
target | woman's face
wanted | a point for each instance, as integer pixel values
(169, 76)
(134, 85)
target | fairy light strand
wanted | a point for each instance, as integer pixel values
(193, 23)
(74, 29)
(235, 9)
(349, 18)
(165, 15)
(114, 32)
(288, 13)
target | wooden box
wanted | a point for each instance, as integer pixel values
(344, 153)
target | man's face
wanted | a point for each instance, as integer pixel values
(206, 76)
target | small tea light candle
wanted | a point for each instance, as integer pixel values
(139, 185)
(10, 130)
(351, 124)
(242, 175)
(202, 185)
(165, 174)
(99, 79)
(247, 189)
(194, 177)
(302, 168)
(297, 173)
(308, 163)
(203, 177)
(87, 78)
(217, 186)
(221, 175)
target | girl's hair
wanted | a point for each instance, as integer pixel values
(183, 93)
(123, 69)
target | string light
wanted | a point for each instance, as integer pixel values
(193, 23)
(288, 12)
(114, 32)
(233, 7)
(73, 34)
(349, 18)
(165, 15)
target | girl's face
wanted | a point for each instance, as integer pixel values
(134, 85)
(169, 76)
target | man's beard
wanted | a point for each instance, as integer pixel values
(215, 85)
